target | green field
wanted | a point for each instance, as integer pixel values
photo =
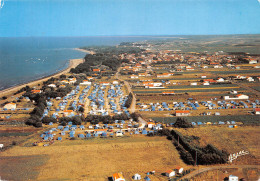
(245, 119)
(15, 134)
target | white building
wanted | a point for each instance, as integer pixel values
(170, 173)
(10, 106)
(238, 97)
(232, 178)
(118, 177)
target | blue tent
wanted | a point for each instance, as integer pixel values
(51, 123)
(104, 134)
(95, 134)
(144, 132)
(81, 136)
(66, 129)
(82, 127)
(71, 135)
(111, 134)
(62, 133)
(59, 138)
(60, 127)
(147, 178)
(88, 135)
(136, 132)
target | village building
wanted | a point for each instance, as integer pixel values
(36, 91)
(134, 76)
(179, 169)
(239, 96)
(232, 178)
(170, 173)
(85, 82)
(10, 106)
(168, 93)
(118, 177)
(257, 111)
(182, 112)
(52, 85)
(252, 62)
(150, 124)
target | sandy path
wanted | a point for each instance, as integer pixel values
(11, 90)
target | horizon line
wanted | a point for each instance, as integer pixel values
(129, 35)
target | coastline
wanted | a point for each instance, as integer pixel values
(86, 51)
(73, 63)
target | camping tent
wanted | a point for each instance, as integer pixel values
(137, 177)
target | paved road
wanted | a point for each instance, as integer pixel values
(198, 171)
(132, 107)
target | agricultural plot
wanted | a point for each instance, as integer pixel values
(104, 157)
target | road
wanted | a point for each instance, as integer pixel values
(198, 171)
(132, 107)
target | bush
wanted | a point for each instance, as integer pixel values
(47, 120)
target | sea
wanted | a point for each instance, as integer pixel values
(25, 59)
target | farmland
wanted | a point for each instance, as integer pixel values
(98, 159)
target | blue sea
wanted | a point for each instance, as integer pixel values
(25, 59)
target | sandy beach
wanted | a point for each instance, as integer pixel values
(11, 90)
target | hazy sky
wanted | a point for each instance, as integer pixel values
(128, 17)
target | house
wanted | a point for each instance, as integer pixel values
(206, 83)
(65, 82)
(233, 92)
(250, 79)
(96, 70)
(203, 76)
(115, 82)
(242, 96)
(182, 113)
(239, 96)
(104, 83)
(168, 93)
(52, 85)
(252, 62)
(85, 82)
(118, 177)
(72, 80)
(170, 173)
(257, 111)
(134, 76)
(10, 106)
(232, 178)
(220, 80)
(150, 125)
(36, 91)
(194, 83)
(179, 169)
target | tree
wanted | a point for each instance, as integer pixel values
(182, 123)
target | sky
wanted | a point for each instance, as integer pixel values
(22, 18)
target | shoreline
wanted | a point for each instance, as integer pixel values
(86, 51)
(72, 64)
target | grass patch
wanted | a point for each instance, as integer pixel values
(21, 167)
(15, 134)
(246, 119)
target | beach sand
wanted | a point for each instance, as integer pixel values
(12, 90)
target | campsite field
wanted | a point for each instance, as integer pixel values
(97, 159)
